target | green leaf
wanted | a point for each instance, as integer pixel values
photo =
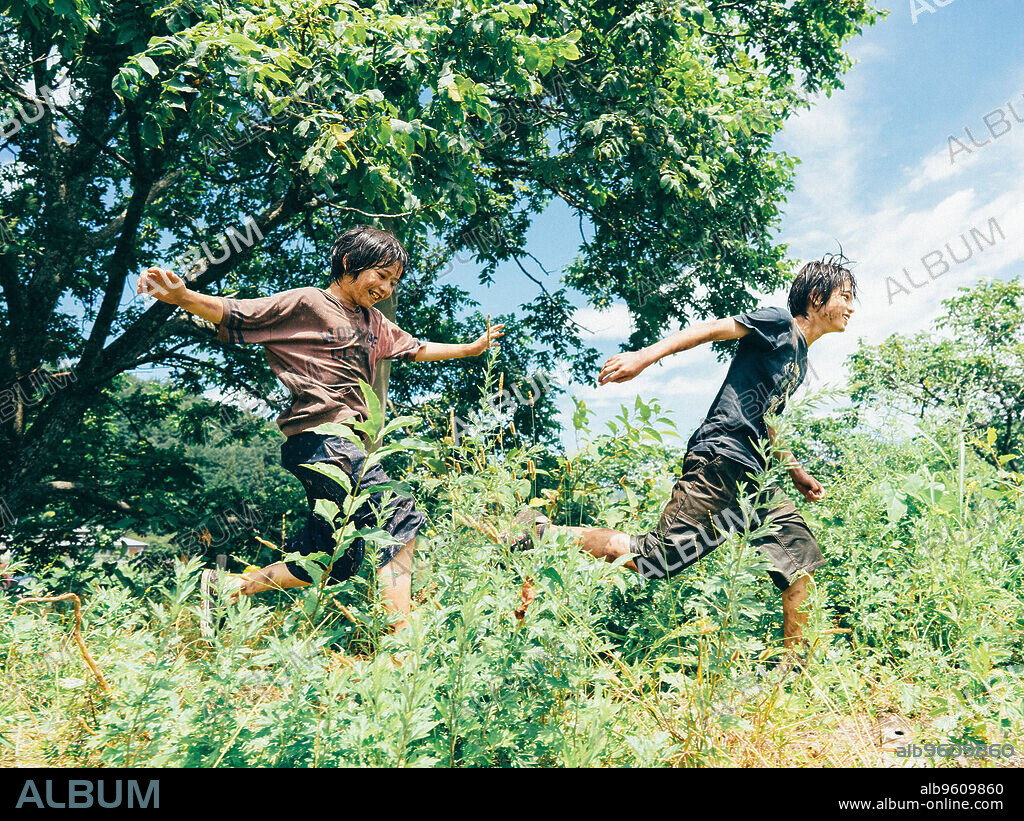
(326, 509)
(531, 55)
(375, 421)
(151, 133)
(546, 61)
(634, 504)
(393, 485)
(332, 472)
(241, 42)
(119, 85)
(448, 85)
(895, 502)
(147, 65)
(398, 422)
(339, 429)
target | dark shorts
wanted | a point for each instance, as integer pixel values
(400, 519)
(704, 510)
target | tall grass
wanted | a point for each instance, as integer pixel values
(918, 611)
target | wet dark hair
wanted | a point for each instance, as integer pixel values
(365, 247)
(817, 280)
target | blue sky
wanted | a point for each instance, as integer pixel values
(875, 174)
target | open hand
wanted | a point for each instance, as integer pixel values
(621, 368)
(487, 339)
(807, 485)
(163, 284)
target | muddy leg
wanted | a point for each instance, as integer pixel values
(793, 620)
(600, 542)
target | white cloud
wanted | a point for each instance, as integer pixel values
(940, 166)
(614, 323)
(684, 385)
(679, 377)
(977, 146)
(929, 212)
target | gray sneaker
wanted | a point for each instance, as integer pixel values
(212, 598)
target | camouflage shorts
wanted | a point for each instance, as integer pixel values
(704, 509)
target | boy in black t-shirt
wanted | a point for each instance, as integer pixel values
(770, 363)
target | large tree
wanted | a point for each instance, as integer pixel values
(255, 131)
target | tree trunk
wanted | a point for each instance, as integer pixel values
(34, 459)
(382, 378)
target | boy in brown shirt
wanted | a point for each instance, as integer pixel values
(320, 343)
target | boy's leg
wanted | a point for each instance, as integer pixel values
(600, 542)
(395, 577)
(689, 526)
(706, 488)
(272, 577)
(396, 583)
(795, 555)
(608, 544)
(793, 620)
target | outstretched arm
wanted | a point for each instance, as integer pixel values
(168, 287)
(434, 351)
(624, 366)
(803, 481)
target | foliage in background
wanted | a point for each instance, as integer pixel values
(189, 476)
(655, 129)
(434, 392)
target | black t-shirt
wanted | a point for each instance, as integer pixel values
(769, 365)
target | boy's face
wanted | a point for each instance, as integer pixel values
(835, 314)
(372, 284)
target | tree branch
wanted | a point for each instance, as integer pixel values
(117, 356)
(117, 267)
(11, 87)
(103, 235)
(532, 278)
(318, 203)
(229, 377)
(84, 492)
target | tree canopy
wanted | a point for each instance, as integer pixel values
(239, 139)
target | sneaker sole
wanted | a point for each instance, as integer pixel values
(207, 596)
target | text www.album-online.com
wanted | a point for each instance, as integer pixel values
(945, 803)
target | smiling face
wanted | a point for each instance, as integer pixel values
(836, 312)
(823, 293)
(371, 285)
